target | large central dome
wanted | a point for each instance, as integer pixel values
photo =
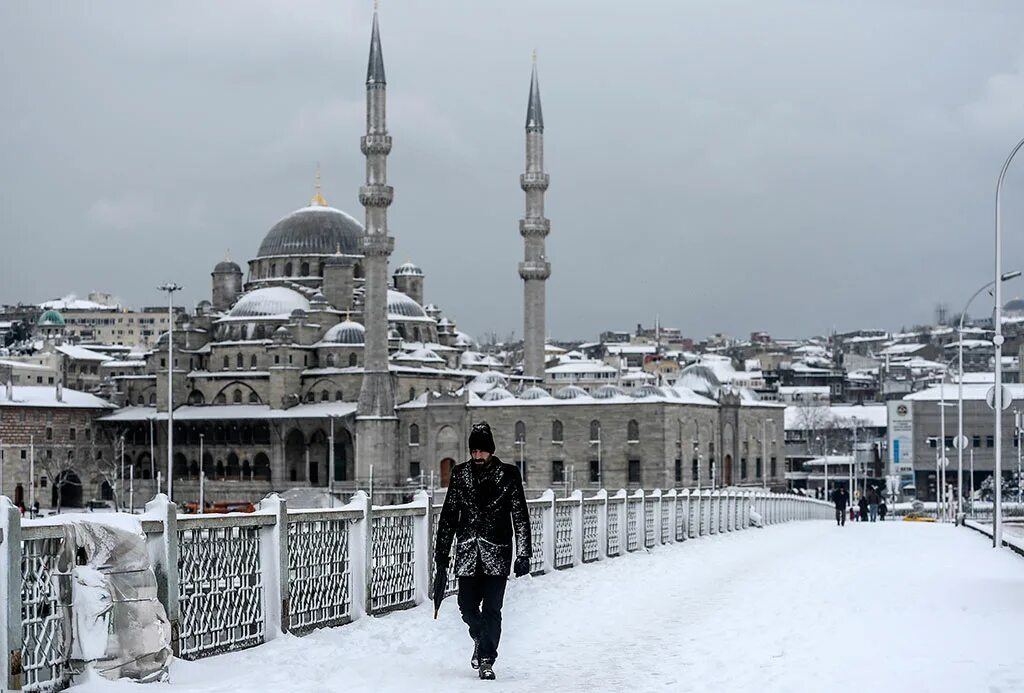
(314, 230)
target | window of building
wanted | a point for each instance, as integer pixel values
(743, 467)
(933, 442)
(520, 432)
(227, 363)
(310, 396)
(237, 397)
(24, 454)
(253, 362)
(325, 396)
(414, 435)
(49, 433)
(695, 470)
(254, 398)
(595, 471)
(556, 431)
(633, 431)
(990, 441)
(88, 434)
(976, 441)
(557, 472)
(337, 396)
(774, 468)
(414, 470)
(72, 433)
(679, 471)
(352, 360)
(595, 431)
(757, 467)
(634, 471)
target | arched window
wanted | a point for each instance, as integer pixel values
(152, 398)
(304, 269)
(254, 398)
(246, 470)
(556, 431)
(520, 432)
(595, 430)
(325, 396)
(196, 397)
(227, 363)
(633, 431)
(412, 393)
(337, 396)
(253, 361)
(239, 361)
(141, 401)
(414, 435)
(352, 360)
(273, 269)
(261, 332)
(220, 399)
(310, 396)
(219, 469)
(330, 360)
(288, 269)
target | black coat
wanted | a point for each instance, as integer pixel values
(482, 517)
(841, 498)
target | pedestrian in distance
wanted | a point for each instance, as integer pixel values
(862, 505)
(882, 509)
(873, 504)
(840, 497)
(484, 509)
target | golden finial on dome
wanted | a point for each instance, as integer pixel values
(534, 56)
(376, 5)
(318, 199)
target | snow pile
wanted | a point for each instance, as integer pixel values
(755, 518)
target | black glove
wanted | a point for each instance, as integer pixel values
(522, 566)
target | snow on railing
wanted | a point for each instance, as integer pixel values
(232, 581)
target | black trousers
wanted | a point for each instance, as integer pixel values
(480, 601)
(840, 516)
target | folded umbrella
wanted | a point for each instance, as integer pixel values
(440, 585)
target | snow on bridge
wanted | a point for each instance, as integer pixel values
(804, 606)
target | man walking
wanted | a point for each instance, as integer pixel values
(485, 505)
(873, 504)
(840, 497)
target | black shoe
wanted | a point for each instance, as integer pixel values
(487, 669)
(475, 661)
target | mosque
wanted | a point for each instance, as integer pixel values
(315, 368)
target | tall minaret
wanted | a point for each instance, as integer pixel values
(376, 422)
(534, 228)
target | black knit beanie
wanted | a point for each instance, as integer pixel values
(480, 438)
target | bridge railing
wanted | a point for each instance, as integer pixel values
(233, 581)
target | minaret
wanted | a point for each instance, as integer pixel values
(376, 422)
(534, 228)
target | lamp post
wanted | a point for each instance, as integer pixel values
(202, 476)
(960, 440)
(997, 340)
(152, 459)
(170, 288)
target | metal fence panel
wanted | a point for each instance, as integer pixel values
(393, 585)
(318, 572)
(45, 604)
(590, 538)
(537, 537)
(563, 534)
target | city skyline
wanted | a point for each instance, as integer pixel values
(852, 191)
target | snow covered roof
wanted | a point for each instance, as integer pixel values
(46, 396)
(346, 332)
(631, 348)
(402, 308)
(213, 412)
(797, 418)
(901, 349)
(70, 302)
(972, 391)
(81, 353)
(581, 367)
(270, 301)
(808, 389)
(571, 395)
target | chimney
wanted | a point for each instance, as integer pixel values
(60, 391)
(10, 390)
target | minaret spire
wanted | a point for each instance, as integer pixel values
(376, 422)
(534, 228)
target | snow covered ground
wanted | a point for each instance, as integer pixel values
(808, 606)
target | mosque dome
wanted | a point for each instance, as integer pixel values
(313, 230)
(534, 393)
(570, 392)
(347, 332)
(1016, 306)
(497, 394)
(648, 391)
(227, 267)
(402, 307)
(51, 318)
(408, 270)
(608, 392)
(269, 301)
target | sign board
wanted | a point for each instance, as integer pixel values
(901, 437)
(990, 397)
(960, 442)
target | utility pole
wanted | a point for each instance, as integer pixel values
(170, 288)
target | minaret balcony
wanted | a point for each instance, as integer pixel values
(534, 227)
(535, 269)
(376, 195)
(377, 245)
(533, 181)
(375, 144)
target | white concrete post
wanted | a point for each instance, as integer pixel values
(577, 527)
(10, 591)
(670, 498)
(705, 512)
(548, 540)
(163, 552)
(274, 565)
(357, 554)
(730, 511)
(421, 547)
(602, 525)
(654, 498)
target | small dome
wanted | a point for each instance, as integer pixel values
(50, 318)
(401, 306)
(314, 230)
(318, 299)
(491, 377)
(498, 393)
(648, 391)
(534, 393)
(347, 332)
(408, 270)
(609, 392)
(272, 300)
(570, 392)
(298, 314)
(1014, 306)
(227, 267)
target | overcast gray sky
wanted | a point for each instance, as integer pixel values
(732, 165)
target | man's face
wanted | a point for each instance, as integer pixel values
(480, 455)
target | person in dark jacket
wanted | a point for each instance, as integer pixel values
(882, 509)
(863, 505)
(841, 498)
(484, 508)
